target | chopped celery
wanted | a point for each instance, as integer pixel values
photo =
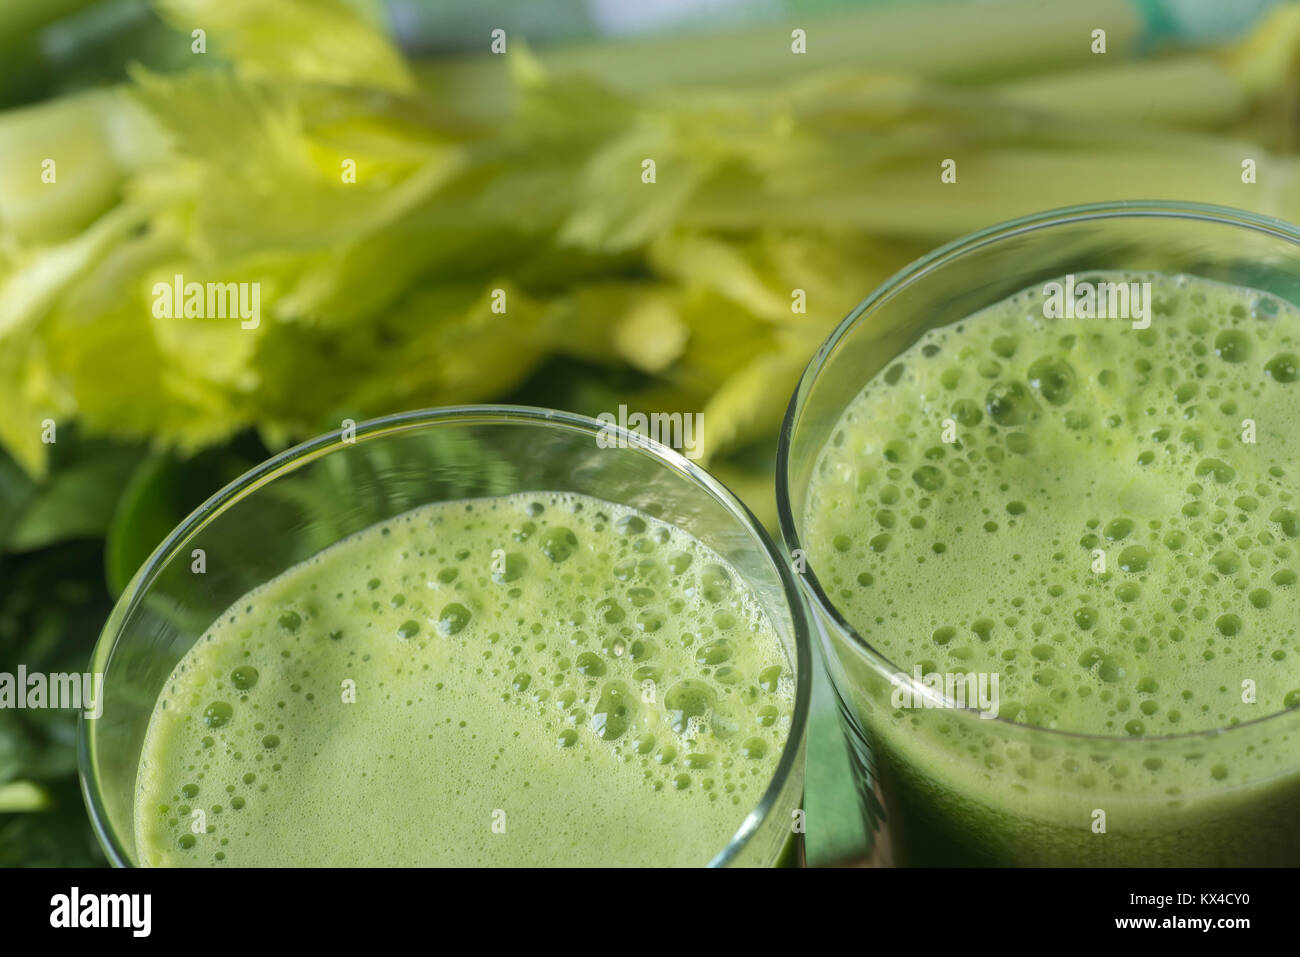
(411, 251)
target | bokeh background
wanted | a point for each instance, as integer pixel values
(787, 186)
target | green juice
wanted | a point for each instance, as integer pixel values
(1107, 518)
(538, 679)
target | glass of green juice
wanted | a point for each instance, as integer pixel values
(466, 636)
(1043, 492)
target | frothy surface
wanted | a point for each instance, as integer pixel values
(539, 679)
(1170, 452)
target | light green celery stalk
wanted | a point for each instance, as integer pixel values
(1238, 86)
(863, 152)
(907, 198)
(957, 41)
(1193, 91)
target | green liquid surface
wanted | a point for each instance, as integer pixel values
(526, 680)
(1114, 527)
(1107, 519)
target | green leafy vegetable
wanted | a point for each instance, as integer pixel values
(330, 41)
(78, 499)
(50, 614)
(406, 254)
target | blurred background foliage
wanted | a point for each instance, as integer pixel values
(776, 171)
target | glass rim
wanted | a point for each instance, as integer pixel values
(312, 449)
(916, 271)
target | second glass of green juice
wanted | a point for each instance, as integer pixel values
(472, 636)
(1043, 491)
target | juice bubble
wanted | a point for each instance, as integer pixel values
(1283, 367)
(1053, 379)
(558, 544)
(1009, 403)
(689, 698)
(453, 618)
(217, 714)
(1134, 559)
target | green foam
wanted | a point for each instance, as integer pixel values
(1077, 442)
(958, 518)
(538, 679)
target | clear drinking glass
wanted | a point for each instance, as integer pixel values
(944, 786)
(312, 496)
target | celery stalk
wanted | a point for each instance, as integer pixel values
(998, 184)
(863, 153)
(1188, 91)
(970, 42)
